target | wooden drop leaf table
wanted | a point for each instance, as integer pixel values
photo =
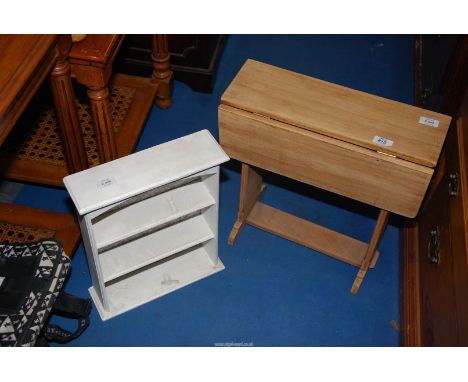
(368, 148)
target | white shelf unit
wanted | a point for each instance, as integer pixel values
(149, 221)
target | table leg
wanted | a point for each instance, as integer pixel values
(103, 127)
(376, 236)
(67, 114)
(250, 190)
(162, 73)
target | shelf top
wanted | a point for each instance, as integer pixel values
(131, 175)
(373, 122)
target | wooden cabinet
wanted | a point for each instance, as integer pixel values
(436, 263)
(457, 174)
(149, 221)
(432, 53)
(194, 58)
(435, 244)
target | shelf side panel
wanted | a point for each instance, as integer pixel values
(212, 214)
(93, 262)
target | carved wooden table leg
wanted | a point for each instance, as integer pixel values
(67, 114)
(376, 235)
(162, 73)
(99, 99)
(250, 190)
(91, 61)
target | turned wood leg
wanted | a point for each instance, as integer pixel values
(67, 115)
(376, 236)
(250, 190)
(162, 74)
(99, 99)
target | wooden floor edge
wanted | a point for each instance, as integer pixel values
(19, 169)
(65, 227)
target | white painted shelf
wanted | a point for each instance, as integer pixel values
(146, 214)
(154, 247)
(149, 221)
(156, 281)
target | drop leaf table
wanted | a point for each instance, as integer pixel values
(361, 146)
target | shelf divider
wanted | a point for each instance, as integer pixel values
(154, 247)
(147, 215)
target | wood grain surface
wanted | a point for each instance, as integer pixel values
(336, 111)
(343, 168)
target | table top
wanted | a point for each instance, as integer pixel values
(96, 49)
(352, 116)
(123, 178)
(20, 57)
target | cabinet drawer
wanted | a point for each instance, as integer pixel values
(380, 180)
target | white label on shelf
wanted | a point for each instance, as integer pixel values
(382, 141)
(1, 280)
(429, 121)
(106, 182)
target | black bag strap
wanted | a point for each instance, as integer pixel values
(68, 306)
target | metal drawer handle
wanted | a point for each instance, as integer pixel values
(453, 184)
(433, 247)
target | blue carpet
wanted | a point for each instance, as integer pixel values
(273, 292)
